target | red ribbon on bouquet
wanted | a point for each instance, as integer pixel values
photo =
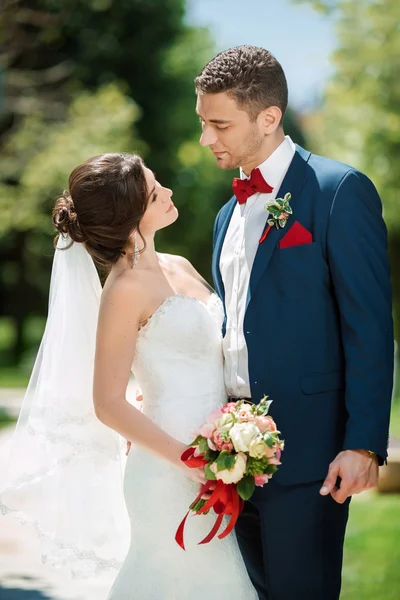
(224, 500)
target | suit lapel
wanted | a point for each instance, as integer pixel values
(293, 182)
(225, 218)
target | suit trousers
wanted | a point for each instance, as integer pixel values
(291, 539)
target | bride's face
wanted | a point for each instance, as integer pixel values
(160, 211)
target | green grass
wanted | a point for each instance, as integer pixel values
(395, 419)
(12, 376)
(371, 566)
(5, 419)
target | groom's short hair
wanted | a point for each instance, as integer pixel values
(249, 74)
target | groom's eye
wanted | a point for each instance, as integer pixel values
(222, 128)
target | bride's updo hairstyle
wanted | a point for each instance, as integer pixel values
(106, 201)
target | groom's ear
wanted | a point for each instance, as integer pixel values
(270, 119)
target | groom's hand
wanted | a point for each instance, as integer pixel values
(358, 471)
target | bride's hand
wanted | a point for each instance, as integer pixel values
(197, 474)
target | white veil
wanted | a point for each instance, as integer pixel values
(63, 467)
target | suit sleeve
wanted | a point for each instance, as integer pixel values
(359, 265)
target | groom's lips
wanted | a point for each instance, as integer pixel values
(218, 154)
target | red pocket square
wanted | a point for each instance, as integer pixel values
(296, 236)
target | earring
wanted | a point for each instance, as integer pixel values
(136, 253)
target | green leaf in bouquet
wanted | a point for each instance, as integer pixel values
(211, 455)
(225, 460)
(203, 446)
(256, 466)
(208, 473)
(245, 487)
(268, 439)
(230, 461)
(271, 469)
(197, 441)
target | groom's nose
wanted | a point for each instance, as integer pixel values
(208, 137)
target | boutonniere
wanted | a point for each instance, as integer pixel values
(279, 211)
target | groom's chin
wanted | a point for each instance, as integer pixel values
(223, 163)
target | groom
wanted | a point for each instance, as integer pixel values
(308, 322)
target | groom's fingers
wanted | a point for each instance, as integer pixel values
(329, 484)
(341, 494)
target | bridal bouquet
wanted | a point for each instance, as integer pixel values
(239, 448)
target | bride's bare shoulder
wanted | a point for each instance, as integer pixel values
(176, 263)
(125, 288)
(182, 266)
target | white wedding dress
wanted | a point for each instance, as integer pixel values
(179, 366)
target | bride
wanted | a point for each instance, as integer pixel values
(157, 317)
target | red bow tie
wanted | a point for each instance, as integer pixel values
(243, 188)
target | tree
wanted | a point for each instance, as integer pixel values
(88, 76)
(359, 122)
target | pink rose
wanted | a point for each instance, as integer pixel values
(278, 453)
(261, 480)
(265, 424)
(207, 430)
(211, 444)
(227, 446)
(218, 440)
(229, 407)
(283, 215)
(274, 461)
(245, 416)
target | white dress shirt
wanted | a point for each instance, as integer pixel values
(237, 257)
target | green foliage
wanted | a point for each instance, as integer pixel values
(95, 123)
(325, 6)
(226, 461)
(360, 121)
(245, 487)
(90, 76)
(208, 473)
(256, 466)
(5, 418)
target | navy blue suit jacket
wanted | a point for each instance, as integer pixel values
(318, 323)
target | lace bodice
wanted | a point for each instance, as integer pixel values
(179, 364)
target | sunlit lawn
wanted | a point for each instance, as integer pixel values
(372, 550)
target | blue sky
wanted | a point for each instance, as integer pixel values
(301, 38)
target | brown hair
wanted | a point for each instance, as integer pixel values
(250, 75)
(106, 201)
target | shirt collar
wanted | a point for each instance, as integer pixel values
(277, 163)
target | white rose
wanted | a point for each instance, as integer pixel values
(231, 475)
(242, 434)
(225, 422)
(257, 447)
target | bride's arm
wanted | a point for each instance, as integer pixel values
(120, 312)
